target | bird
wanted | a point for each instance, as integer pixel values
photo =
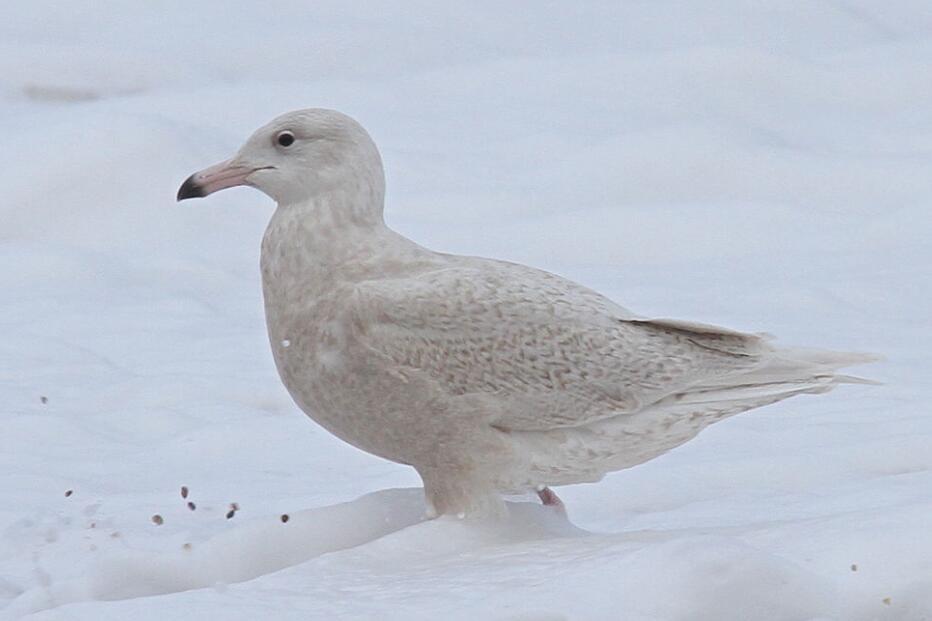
(488, 377)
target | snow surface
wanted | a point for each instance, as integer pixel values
(764, 166)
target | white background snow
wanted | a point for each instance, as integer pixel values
(761, 165)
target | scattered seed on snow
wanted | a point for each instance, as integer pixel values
(191, 506)
(186, 546)
(230, 513)
(69, 493)
(854, 566)
(887, 601)
(157, 520)
(43, 399)
(285, 518)
(184, 491)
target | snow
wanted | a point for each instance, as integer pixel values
(763, 166)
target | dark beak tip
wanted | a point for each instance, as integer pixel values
(190, 189)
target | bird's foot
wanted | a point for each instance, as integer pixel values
(550, 499)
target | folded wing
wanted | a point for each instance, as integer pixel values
(547, 352)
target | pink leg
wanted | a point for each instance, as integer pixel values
(550, 498)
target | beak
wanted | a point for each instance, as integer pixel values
(219, 176)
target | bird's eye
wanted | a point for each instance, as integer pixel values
(285, 138)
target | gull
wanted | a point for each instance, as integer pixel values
(487, 377)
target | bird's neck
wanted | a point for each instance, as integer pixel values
(320, 232)
(338, 209)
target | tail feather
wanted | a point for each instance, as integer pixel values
(826, 358)
(781, 374)
(854, 379)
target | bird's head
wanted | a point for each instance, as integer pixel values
(299, 157)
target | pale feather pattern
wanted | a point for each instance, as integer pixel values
(579, 386)
(552, 353)
(485, 376)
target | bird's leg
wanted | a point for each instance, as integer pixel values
(550, 498)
